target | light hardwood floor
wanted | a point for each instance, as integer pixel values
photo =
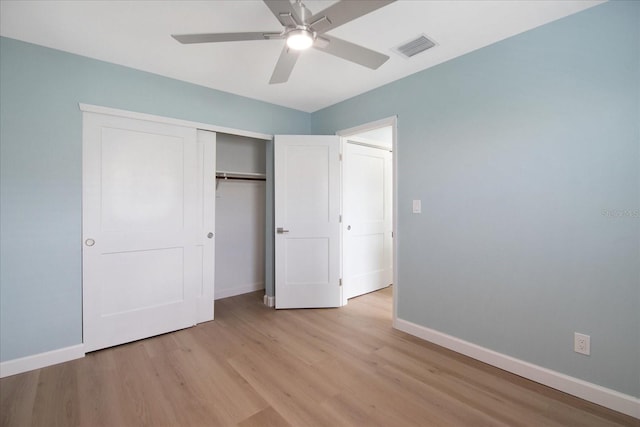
(254, 366)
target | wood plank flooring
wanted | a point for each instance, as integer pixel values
(254, 366)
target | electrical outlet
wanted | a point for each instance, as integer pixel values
(581, 343)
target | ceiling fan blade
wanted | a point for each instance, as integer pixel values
(284, 66)
(351, 52)
(284, 11)
(225, 37)
(342, 12)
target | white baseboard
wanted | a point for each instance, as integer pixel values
(269, 301)
(238, 290)
(608, 398)
(42, 360)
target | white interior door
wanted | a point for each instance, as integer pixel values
(367, 223)
(307, 221)
(147, 260)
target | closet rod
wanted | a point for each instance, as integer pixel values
(249, 176)
(246, 178)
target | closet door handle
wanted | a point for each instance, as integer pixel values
(281, 230)
(210, 235)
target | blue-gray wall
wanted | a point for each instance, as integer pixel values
(41, 175)
(525, 155)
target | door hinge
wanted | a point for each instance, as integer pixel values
(340, 219)
(340, 156)
(340, 282)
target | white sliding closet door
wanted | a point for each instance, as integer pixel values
(206, 216)
(147, 255)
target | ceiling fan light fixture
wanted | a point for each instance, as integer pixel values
(300, 39)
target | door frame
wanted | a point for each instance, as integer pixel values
(344, 134)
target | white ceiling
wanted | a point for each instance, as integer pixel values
(137, 34)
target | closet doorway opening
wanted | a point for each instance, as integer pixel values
(368, 208)
(240, 215)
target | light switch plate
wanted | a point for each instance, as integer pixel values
(417, 206)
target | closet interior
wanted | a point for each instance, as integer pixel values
(240, 215)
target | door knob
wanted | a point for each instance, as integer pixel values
(89, 242)
(210, 235)
(348, 227)
(281, 230)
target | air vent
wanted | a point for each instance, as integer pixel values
(415, 46)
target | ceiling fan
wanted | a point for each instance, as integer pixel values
(303, 30)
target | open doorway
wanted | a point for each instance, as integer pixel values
(239, 215)
(368, 202)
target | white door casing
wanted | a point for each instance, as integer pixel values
(307, 211)
(367, 219)
(147, 262)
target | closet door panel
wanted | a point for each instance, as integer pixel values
(142, 204)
